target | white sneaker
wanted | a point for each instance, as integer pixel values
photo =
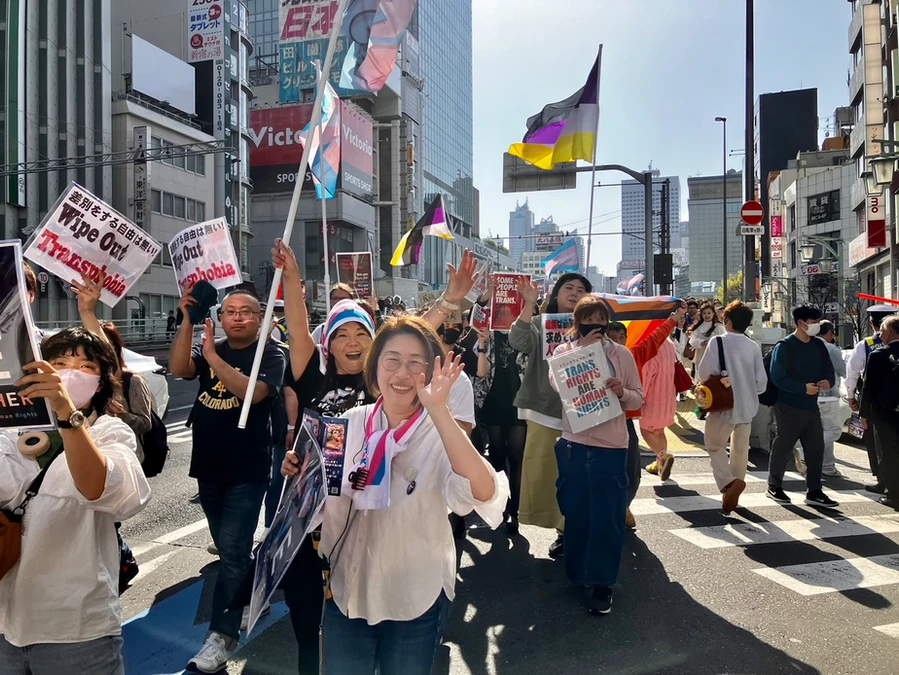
(214, 655)
(212, 550)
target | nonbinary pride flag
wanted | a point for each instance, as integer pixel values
(564, 131)
(563, 259)
(432, 223)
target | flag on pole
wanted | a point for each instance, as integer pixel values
(330, 155)
(564, 131)
(563, 259)
(375, 30)
(641, 315)
(631, 285)
(432, 223)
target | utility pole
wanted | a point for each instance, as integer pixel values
(724, 233)
(664, 257)
(749, 242)
(649, 285)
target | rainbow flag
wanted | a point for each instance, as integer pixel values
(564, 131)
(327, 151)
(375, 30)
(433, 223)
(641, 315)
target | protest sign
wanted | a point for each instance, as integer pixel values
(480, 317)
(554, 330)
(581, 376)
(83, 234)
(205, 252)
(330, 432)
(302, 498)
(481, 281)
(355, 269)
(505, 301)
(18, 346)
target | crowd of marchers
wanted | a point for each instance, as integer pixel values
(442, 421)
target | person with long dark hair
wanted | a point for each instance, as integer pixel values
(539, 405)
(59, 605)
(709, 326)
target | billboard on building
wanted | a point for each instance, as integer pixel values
(356, 153)
(177, 87)
(550, 242)
(205, 30)
(276, 148)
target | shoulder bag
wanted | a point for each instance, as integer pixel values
(716, 394)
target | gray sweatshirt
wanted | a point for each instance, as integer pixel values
(535, 392)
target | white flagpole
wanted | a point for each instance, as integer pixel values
(593, 171)
(322, 83)
(288, 226)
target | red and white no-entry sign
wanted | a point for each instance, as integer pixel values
(752, 213)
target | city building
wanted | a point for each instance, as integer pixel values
(810, 208)
(58, 49)
(786, 123)
(530, 263)
(215, 42)
(633, 221)
(707, 231)
(521, 224)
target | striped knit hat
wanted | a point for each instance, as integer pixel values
(344, 312)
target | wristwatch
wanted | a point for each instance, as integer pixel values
(75, 421)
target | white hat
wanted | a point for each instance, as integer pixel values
(279, 304)
(883, 309)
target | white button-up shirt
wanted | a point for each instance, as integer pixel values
(65, 587)
(392, 564)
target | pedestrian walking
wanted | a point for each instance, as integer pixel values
(386, 540)
(592, 466)
(232, 465)
(170, 325)
(746, 371)
(855, 368)
(703, 331)
(59, 604)
(880, 404)
(800, 369)
(539, 405)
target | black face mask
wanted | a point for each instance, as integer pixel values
(586, 328)
(451, 335)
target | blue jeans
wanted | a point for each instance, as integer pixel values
(233, 513)
(352, 647)
(96, 657)
(273, 495)
(592, 494)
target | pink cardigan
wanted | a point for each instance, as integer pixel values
(611, 434)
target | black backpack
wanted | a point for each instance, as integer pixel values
(770, 395)
(155, 442)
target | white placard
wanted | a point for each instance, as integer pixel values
(83, 234)
(581, 376)
(205, 252)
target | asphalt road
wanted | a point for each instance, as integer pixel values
(769, 590)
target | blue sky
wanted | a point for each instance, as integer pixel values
(669, 68)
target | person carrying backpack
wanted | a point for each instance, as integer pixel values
(880, 404)
(800, 368)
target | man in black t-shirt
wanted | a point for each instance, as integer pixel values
(232, 466)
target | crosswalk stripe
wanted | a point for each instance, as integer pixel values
(650, 506)
(747, 534)
(835, 575)
(891, 629)
(693, 479)
(170, 537)
(151, 566)
(181, 437)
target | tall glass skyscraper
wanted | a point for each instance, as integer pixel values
(264, 31)
(445, 37)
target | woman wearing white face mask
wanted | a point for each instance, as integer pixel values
(59, 606)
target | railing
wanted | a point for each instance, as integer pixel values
(139, 335)
(155, 108)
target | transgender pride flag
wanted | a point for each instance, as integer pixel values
(563, 259)
(328, 151)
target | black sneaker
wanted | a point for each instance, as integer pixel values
(600, 600)
(778, 495)
(557, 548)
(876, 488)
(818, 498)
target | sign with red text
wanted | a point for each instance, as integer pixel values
(506, 302)
(355, 269)
(481, 281)
(580, 376)
(875, 221)
(205, 252)
(205, 30)
(480, 317)
(84, 235)
(555, 329)
(302, 20)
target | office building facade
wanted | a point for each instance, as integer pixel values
(707, 232)
(521, 224)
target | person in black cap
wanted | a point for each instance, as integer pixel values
(854, 370)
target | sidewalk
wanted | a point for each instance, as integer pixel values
(686, 436)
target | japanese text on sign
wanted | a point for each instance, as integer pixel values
(205, 252)
(554, 330)
(580, 376)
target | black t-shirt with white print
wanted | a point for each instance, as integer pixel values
(333, 402)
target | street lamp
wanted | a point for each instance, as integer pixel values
(882, 169)
(723, 121)
(807, 253)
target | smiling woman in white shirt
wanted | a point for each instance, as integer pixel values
(386, 539)
(59, 604)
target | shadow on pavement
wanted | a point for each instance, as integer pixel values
(515, 614)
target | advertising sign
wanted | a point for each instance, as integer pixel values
(205, 31)
(355, 269)
(276, 148)
(580, 376)
(816, 269)
(859, 250)
(356, 154)
(777, 226)
(19, 347)
(777, 248)
(554, 330)
(83, 234)
(205, 252)
(505, 301)
(550, 242)
(875, 219)
(302, 497)
(824, 207)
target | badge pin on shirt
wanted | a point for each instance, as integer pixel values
(411, 475)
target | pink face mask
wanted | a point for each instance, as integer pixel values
(80, 386)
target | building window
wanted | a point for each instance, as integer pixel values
(176, 206)
(180, 211)
(192, 163)
(168, 206)
(201, 212)
(791, 216)
(155, 201)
